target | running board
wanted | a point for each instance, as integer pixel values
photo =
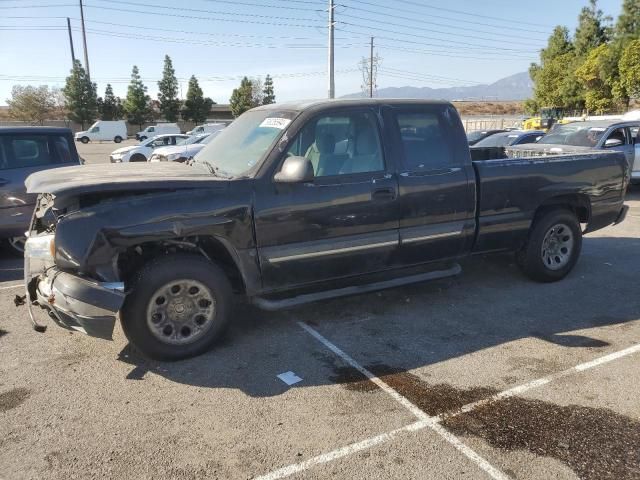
(273, 305)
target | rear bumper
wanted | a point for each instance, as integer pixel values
(622, 215)
(74, 302)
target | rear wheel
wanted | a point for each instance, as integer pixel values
(118, 139)
(553, 246)
(177, 308)
(84, 140)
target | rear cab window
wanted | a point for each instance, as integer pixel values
(425, 139)
(33, 150)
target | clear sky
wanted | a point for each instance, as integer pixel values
(422, 42)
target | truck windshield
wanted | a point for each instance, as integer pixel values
(574, 134)
(240, 146)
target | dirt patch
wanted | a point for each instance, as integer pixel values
(433, 399)
(13, 398)
(596, 443)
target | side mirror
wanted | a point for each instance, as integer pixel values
(295, 170)
(613, 142)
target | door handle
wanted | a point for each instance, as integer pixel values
(383, 194)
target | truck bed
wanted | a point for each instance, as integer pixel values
(511, 190)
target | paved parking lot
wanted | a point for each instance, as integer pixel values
(98, 152)
(487, 375)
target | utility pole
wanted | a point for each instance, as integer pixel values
(332, 85)
(84, 41)
(73, 55)
(371, 70)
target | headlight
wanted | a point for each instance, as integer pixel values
(42, 246)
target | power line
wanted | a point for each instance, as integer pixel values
(431, 15)
(448, 55)
(192, 17)
(444, 48)
(456, 34)
(198, 10)
(427, 37)
(459, 12)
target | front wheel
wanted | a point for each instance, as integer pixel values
(553, 246)
(177, 308)
(84, 140)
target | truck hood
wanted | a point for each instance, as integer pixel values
(119, 177)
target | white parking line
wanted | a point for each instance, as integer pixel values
(343, 452)
(545, 380)
(9, 287)
(431, 421)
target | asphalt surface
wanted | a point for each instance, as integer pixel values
(77, 407)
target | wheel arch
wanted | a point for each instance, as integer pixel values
(210, 247)
(578, 203)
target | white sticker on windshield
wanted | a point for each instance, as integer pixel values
(274, 122)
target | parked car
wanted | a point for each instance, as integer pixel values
(104, 130)
(511, 137)
(155, 130)
(295, 203)
(183, 151)
(142, 151)
(580, 137)
(635, 168)
(207, 128)
(23, 151)
(477, 135)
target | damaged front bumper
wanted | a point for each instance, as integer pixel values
(73, 302)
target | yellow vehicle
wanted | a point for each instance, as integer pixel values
(548, 117)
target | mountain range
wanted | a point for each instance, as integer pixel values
(513, 87)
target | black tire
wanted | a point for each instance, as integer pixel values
(84, 140)
(118, 139)
(138, 157)
(148, 287)
(142, 139)
(553, 260)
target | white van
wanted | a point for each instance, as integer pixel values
(104, 130)
(207, 128)
(159, 129)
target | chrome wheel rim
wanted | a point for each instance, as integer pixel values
(181, 312)
(557, 247)
(17, 243)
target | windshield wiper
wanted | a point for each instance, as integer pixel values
(214, 170)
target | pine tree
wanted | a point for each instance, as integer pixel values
(196, 106)
(168, 92)
(242, 98)
(268, 93)
(554, 79)
(81, 100)
(628, 24)
(110, 108)
(136, 105)
(593, 29)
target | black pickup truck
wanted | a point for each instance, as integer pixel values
(295, 203)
